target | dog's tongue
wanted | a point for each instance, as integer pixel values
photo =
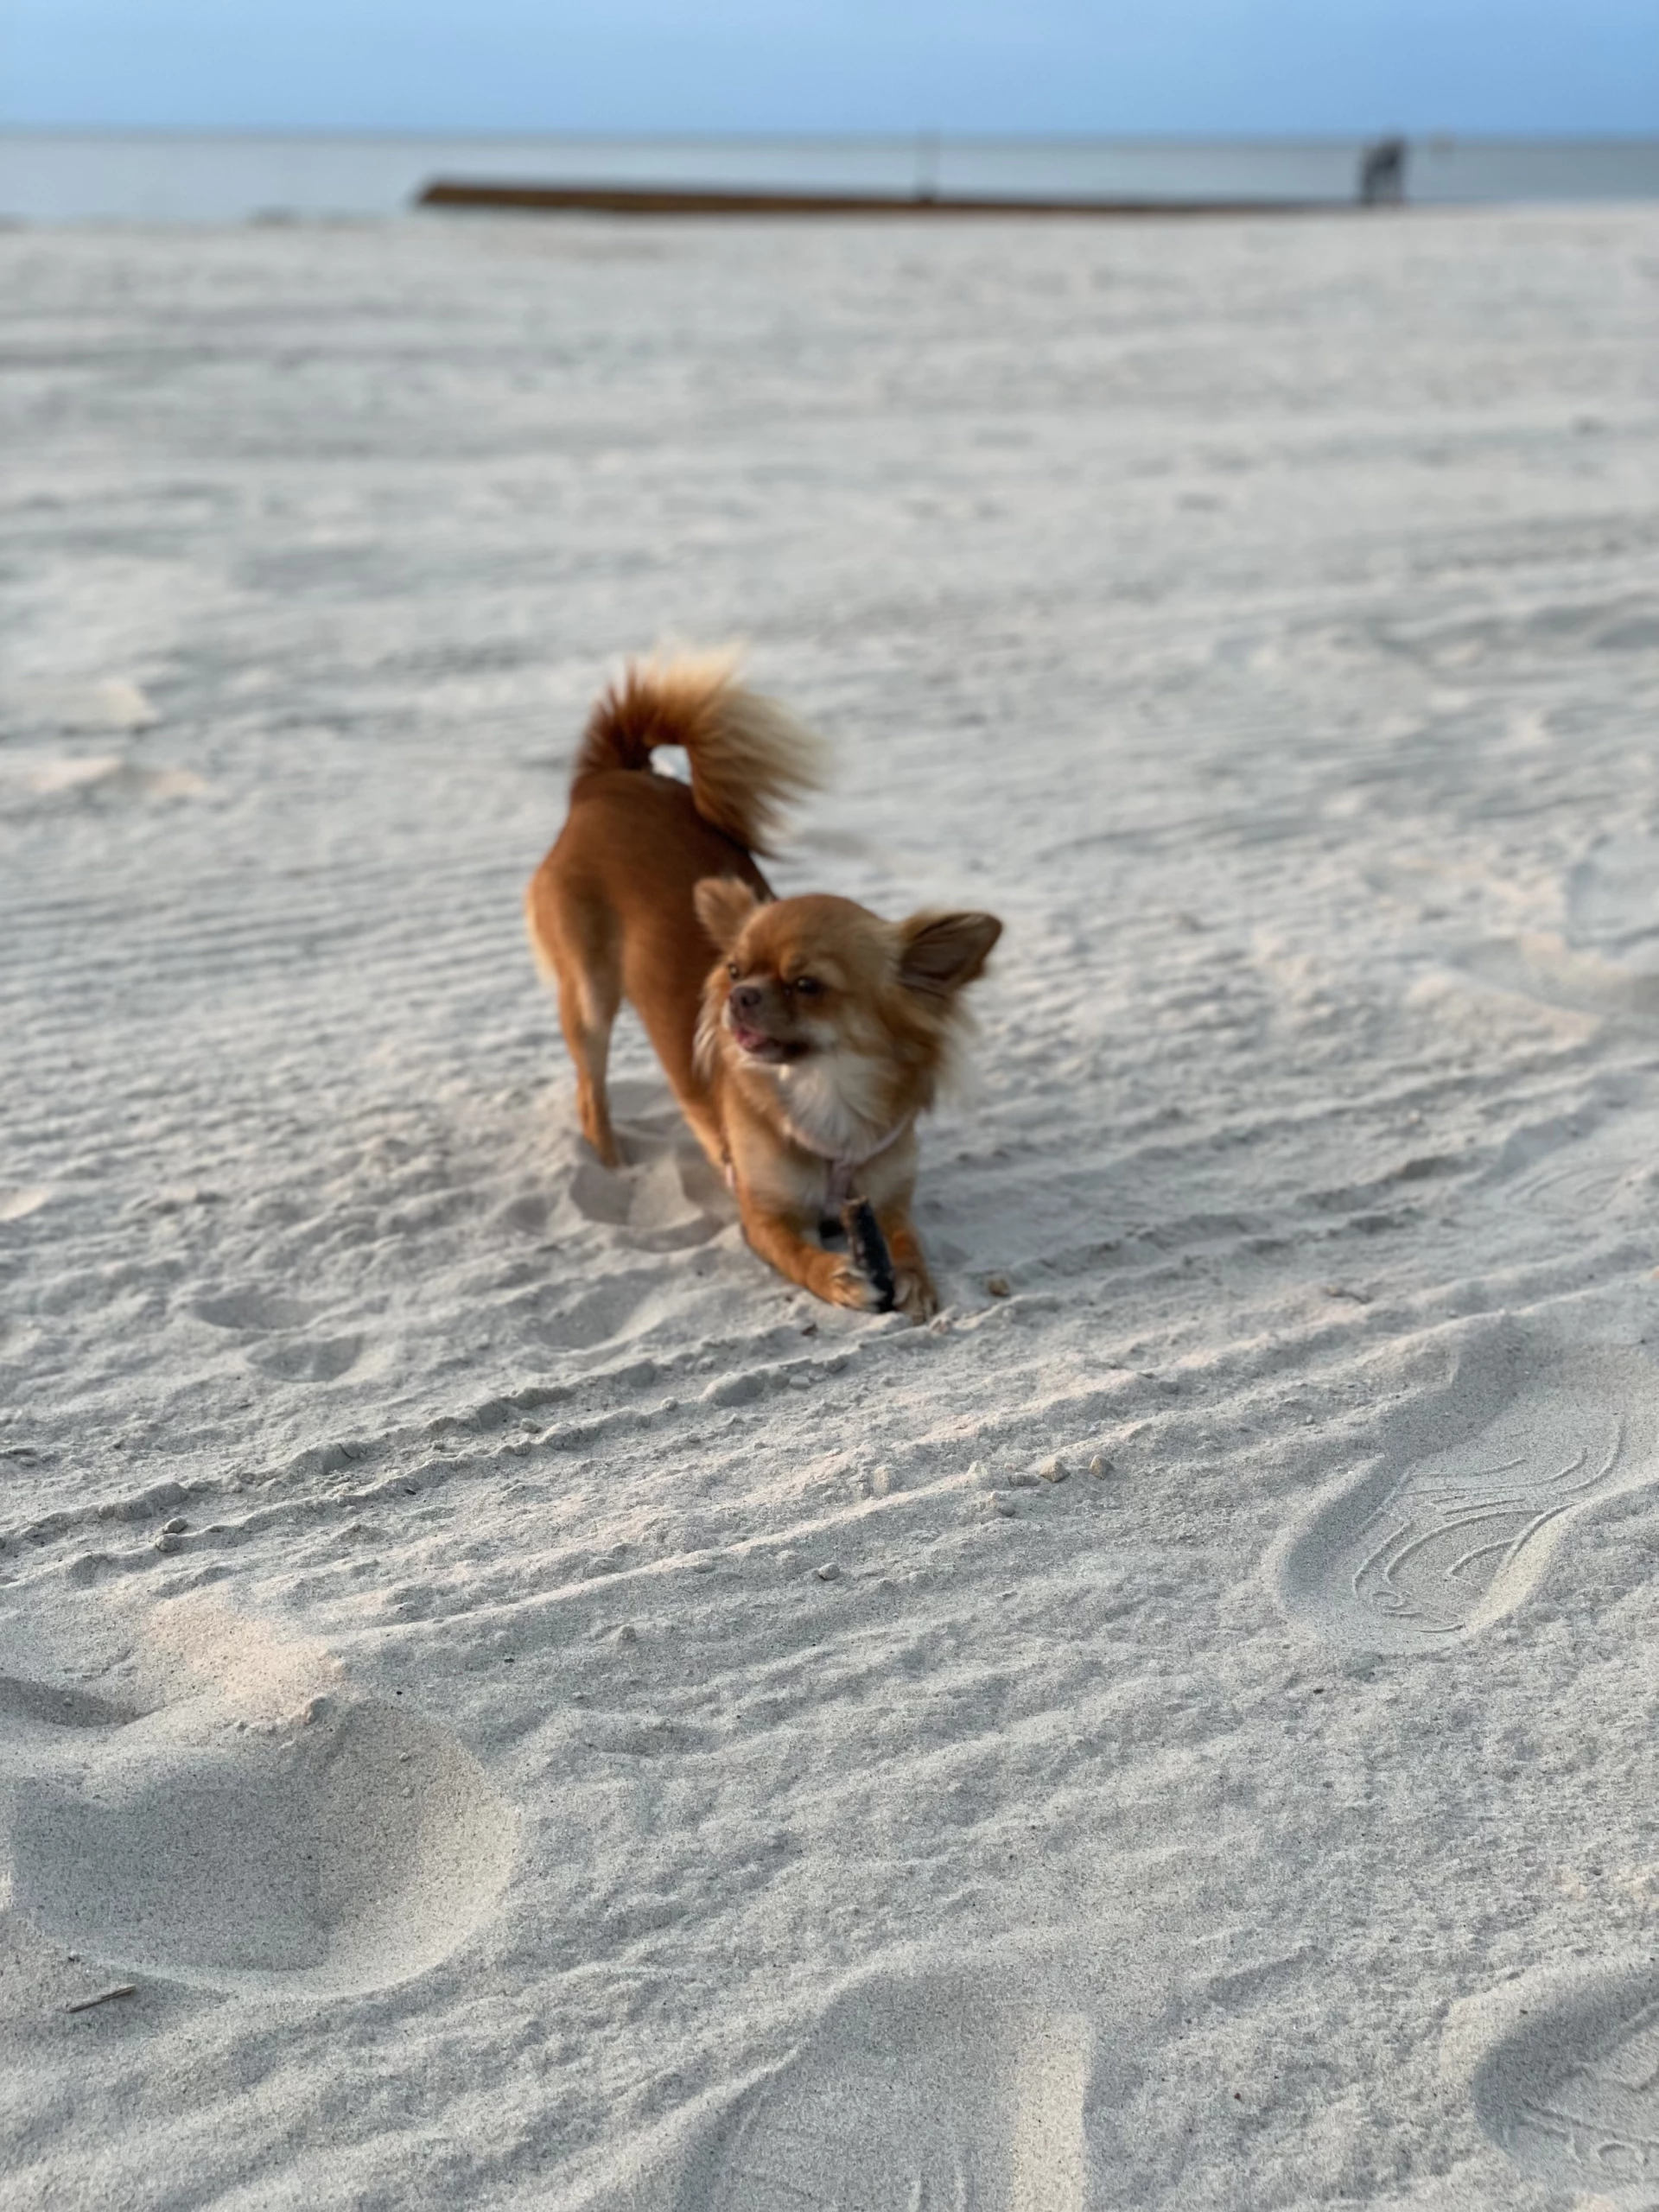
(757, 1042)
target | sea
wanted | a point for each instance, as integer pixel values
(51, 176)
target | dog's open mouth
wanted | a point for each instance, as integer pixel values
(760, 1046)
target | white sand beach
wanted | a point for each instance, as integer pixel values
(532, 1711)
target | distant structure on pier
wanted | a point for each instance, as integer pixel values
(1382, 173)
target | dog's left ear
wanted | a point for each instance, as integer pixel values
(724, 907)
(941, 952)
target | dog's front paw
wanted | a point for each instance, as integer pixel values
(914, 1296)
(847, 1286)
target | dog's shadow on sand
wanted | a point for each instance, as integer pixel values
(667, 1196)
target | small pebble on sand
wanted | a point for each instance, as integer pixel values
(829, 1572)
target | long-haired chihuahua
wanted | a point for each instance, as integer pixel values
(803, 1037)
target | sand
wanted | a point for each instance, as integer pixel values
(536, 1714)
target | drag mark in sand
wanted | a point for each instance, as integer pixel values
(1436, 1543)
(1572, 2095)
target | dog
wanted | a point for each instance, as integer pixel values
(803, 1037)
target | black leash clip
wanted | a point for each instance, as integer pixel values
(868, 1250)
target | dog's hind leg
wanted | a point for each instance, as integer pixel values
(585, 972)
(585, 1015)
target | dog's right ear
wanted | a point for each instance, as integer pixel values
(939, 953)
(723, 907)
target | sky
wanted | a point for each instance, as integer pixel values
(1112, 67)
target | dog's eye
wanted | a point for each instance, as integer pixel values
(808, 986)
(731, 969)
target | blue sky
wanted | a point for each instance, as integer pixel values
(1113, 66)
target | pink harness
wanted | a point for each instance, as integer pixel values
(843, 1166)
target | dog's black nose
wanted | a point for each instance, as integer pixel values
(746, 998)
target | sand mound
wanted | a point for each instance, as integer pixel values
(227, 1841)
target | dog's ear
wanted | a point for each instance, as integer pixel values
(724, 907)
(941, 952)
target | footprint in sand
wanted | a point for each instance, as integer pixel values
(256, 1312)
(1605, 958)
(1572, 2095)
(340, 1847)
(288, 1357)
(1612, 897)
(1610, 1170)
(930, 2093)
(107, 702)
(26, 778)
(622, 1305)
(51, 1705)
(1544, 966)
(667, 1198)
(1476, 1490)
(308, 1359)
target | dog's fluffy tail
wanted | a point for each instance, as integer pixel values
(748, 755)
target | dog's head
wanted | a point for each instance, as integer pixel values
(821, 987)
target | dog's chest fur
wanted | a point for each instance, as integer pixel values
(832, 1104)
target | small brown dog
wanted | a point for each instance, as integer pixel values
(801, 1036)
